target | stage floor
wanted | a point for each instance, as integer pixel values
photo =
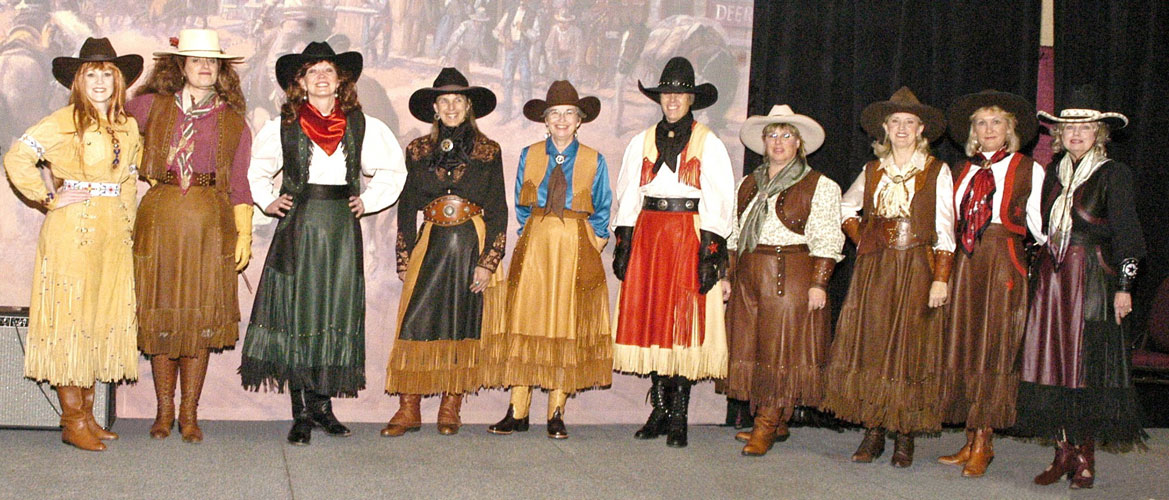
(252, 460)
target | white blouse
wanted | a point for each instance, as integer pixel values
(381, 159)
(716, 203)
(822, 232)
(999, 171)
(853, 201)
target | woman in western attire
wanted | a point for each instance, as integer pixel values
(884, 370)
(1076, 387)
(82, 325)
(451, 289)
(784, 245)
(556, 335)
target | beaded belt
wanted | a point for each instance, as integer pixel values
(670, 204)
(450, 210)
(95, 188)
(204, 179)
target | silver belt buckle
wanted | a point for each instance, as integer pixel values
(663, 204)
(448, 210)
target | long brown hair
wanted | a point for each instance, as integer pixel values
(167, 79)
(295, 95)
(85, 115)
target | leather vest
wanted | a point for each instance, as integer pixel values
(584, 170)
(297, 150)
(161, 126)
(922, 208)
(792, 205)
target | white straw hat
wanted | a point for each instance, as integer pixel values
(197, 43)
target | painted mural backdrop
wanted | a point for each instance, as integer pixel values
(603, 46)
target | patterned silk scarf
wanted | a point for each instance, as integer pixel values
(894, 199)
(977, 207)
(1071, 176)
(183, 145)
(752, 226)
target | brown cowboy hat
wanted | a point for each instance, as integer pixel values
(96, 50)
(903, 101)
(560, 93)
(958, 115)
(288, 64)
(450, 81)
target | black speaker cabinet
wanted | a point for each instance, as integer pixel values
(25, 404)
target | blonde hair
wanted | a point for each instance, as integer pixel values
(1012, 142)
(884, 147)
(771, 127)
(1103, 137)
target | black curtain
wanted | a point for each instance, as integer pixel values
(1120, 47)
(829, 59)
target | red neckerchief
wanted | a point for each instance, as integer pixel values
(325, 131)
(977, 206)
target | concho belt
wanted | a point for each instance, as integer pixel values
(670, 204)
(450, 210)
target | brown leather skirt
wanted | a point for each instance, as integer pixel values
(184, 271)
(885, 362)
(984, 330)
(778, 348)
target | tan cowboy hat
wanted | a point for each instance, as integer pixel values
(903, 101)
(197, 43)
(811, 133)
(561, 92)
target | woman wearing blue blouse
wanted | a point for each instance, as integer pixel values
(555, 334)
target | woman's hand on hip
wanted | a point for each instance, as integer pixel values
(279, 207)
(66, 197)
(356, 206)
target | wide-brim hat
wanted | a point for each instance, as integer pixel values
(811, 133)
(902, 101)
(450, 81)
(1083, 106)
(561, 93)
(288, 64)
(563, 16)
(197, 43)
(678, 78)
(97, 50)
(958, 115)
(480, 15)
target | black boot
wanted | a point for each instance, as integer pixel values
(320, 410)
(679, 405)
(509, 423)
(739, 414)
(302, 423)
(659, 417)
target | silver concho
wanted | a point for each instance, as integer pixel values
(448, 211)
(446, 145)
(560, 159)
(663, 204)
(689, 204)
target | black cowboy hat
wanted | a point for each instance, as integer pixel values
(561, 92)
(958, 115)
(902, 101)
(678, 78)
(450, 81)
(97, 50)
(1083, 105)
(288, 64)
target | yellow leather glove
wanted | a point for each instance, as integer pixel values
(243, 240)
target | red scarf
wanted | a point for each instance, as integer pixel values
(977, 206)
(325, 131)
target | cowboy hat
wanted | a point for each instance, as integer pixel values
(450, 81)
(561, 92)
(288, 64)
(811, 133)
(678, 78)
(96, 50)
(902, 101)
(959, 113)
(197, 43)
(1082, 107)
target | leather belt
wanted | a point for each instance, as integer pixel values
(670, 204)
(568, 214)
(780, 252)
(326, 191)
(896, 233)
(450, 210)
(204, 179)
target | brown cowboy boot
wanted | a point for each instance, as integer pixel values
(981, 453)
(781, 432)
(87, 394)
(74, 430)
(872, 446)
(165, 371)
(1061, 465)
(448, 414)
(764, 433)
(963, 454)
(1084, 465)
(193, 372)
(902, 451)
(408, 418)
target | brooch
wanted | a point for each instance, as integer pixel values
(560, 159)
(446, 145)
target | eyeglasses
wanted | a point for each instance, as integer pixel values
(777, 135)
(562, 113)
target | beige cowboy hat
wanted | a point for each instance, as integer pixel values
(197, 43)
(811, 133)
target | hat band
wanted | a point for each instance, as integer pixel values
(1078, 113)
(675, 83)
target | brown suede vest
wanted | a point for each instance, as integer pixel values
(792, 206)
(161, 125)
(922, 208)
(584, 171)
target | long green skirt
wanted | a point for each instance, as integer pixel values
(307, 329)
